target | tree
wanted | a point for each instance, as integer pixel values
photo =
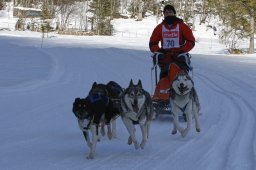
(103, 13)
(250, 8)
(238, 17)
(139, 8)
(1, 4)
(65, 9)
(45, 14)
(244, 19)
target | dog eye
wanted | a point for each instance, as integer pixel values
(131, 94)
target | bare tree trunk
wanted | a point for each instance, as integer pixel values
(92, 23)
(193, 14)
(251, 46)
(185, 15)
(202, 15)
(97, 17)
(140, 6)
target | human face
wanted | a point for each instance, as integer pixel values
(168, 13)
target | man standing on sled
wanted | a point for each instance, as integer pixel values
(176, 40)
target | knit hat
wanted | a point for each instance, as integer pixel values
(170, 7)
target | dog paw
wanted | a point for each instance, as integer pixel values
(129, 140)
(136, 145)
(198, 129)
(184, 133)
(143, 143)
(91, 156)
(174, 132)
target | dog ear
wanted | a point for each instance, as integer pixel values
(94, 84)
(131, 83)
(77, 99)
(139, 84)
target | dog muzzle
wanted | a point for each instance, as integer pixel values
(135, 108)
(183, 89)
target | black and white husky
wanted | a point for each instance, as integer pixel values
(184, 100)
(98, 109)
(136, 109)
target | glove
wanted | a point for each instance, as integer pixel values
(184, 57)
(158, 58)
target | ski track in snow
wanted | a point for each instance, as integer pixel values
(241, 125)
(176, 152)
(226, 141)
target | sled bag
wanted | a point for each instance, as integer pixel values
(162, 90)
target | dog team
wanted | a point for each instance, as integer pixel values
(105, 102)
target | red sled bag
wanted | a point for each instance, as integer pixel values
(162, 90)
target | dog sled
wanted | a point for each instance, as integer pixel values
(162, 91)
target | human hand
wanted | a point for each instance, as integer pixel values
(158, 58)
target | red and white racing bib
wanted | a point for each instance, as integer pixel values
(171, 38)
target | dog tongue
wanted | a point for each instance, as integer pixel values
(135, 108)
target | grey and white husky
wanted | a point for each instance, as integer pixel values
(184, 100)
(137, 109)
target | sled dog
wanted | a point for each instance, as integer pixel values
(95, 111)
(137, 109)
(184, 100)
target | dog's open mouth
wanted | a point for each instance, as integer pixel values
(183, 89)
(135, 108)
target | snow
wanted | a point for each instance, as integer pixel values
(38, 86)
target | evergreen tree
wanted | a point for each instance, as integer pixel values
(103, 12)
(1, 4)
(238, 17)
(45, 14)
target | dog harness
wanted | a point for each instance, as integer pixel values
(95, 97)
(184, 108)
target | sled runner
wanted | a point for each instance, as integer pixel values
(162, 91)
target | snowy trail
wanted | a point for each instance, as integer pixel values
(238, 131)
(39, 127)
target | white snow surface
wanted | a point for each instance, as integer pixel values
(38, 130)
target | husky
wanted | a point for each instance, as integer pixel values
(97, 110)
(184, 100)
(136, 109)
